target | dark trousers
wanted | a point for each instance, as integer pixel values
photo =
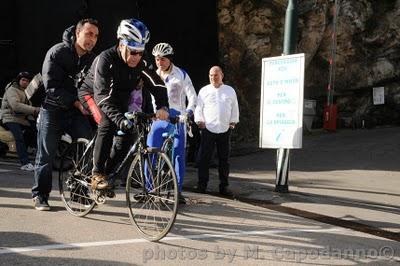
(53, 122)
(109, 148)
(210, 140)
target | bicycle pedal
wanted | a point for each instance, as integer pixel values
(99, 197)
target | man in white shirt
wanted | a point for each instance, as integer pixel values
(216, 114)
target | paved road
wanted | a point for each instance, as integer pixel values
(338, 183)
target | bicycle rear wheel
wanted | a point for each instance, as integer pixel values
(152, 195)
(74, 183)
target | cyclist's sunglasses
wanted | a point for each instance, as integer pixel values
(133, 52)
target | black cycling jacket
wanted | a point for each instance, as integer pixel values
(61, 71)
(112, 81)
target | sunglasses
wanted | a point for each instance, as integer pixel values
(136, 52)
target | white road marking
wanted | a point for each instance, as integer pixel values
(171, 238)
(10, 163)
(4, 171)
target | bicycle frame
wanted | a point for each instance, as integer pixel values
(168, 144)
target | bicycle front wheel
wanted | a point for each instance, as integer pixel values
(74, 182)
(152, 194)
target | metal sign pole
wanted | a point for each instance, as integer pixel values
(289, 47)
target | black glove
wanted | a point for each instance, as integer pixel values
(126, 126)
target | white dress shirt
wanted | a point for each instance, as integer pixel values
(217, 108)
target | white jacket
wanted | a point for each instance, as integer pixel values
(179, 87)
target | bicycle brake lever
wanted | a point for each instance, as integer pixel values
(130, 115)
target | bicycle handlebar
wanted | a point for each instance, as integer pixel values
(137, 118)
(183, 118)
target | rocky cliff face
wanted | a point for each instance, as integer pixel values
(368, 51)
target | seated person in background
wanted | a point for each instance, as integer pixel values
(17, 114)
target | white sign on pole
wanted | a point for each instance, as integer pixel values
(281, 109)
(378, 94)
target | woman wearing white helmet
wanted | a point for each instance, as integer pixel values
(180, 89)
(113, 75)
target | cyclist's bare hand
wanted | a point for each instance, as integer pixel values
(80, 107)
(162, 114)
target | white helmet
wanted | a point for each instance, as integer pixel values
(163, 49)
(133, 33)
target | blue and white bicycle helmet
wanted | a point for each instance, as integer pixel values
(133, 33)
(163, 49)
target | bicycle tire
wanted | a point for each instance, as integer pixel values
(167, 147)
(153, 200)
(74, 183)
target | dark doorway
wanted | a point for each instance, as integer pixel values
(30, 28)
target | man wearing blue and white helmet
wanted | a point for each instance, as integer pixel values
(113, 75)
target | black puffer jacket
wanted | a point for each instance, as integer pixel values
(61, 72)
(113, 80)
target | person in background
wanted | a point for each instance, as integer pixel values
(180, 89)
(61, 110)
(216, 114)
(18, 116)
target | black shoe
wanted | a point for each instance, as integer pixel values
(110, 194)
(200, 189)
(181, 199)
(225, 192)
(41, 204)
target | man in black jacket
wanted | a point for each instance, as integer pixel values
(61, 109)
(113, 75)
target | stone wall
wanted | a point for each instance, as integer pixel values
(368, 50)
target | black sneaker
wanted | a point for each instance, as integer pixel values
(224, 191)
(41, 204)
(200, 189)
(181, 199)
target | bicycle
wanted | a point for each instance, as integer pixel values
(151, 187)
(168, 144)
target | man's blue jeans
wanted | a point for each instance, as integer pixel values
(17, 131)
(53, 123)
